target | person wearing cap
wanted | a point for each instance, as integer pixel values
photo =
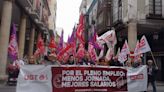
(152, 72)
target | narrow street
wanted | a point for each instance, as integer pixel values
(81, 45)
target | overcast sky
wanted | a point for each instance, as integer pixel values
(67, 15)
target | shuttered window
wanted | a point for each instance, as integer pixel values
(155, 7)
(117, 10)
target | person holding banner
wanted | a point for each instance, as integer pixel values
(86, 60)
(152, 72)
(137, 63)
(103, 62)
(31, 60)
(115, 62)
(128, 64)
(50, 59)
(71, 60)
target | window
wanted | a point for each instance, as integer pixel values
(100, 18)
(117, 10)
(120, 10)
(155, 7)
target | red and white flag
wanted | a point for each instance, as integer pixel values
(137, 53)
(122, 57)
(101, 53)
(144, 46)
(109, 54)
(64, 52)
(108, 37)
(52, 45)
(40, 46)
(80, 29)
(81, 51)
(92, 52)
(125, 48)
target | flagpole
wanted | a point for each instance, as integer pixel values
(153, 58)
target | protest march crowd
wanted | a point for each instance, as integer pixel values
(70, 54)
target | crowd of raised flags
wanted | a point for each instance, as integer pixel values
(75, 46)
(142, 47)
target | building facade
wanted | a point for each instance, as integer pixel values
(134, 18)
(84, 6)
(103, 16)
(131, 19)
(31, 18)
(52, 17)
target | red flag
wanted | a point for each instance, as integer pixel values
(80, 28)
(40, 46)
(92, 52)
(61, 42)
(125, 48)
(137, 53)
(52, 46)
(81, 51)
(122, 57)
(63, 51)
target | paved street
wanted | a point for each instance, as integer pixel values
(7, 89)
(160, 88)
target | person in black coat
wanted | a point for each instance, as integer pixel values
(71, 60)
(115, 62)
(86, 60)
(152, 72)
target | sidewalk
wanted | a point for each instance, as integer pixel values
(159, 83)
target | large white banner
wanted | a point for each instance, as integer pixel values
(38, 78)
(137, 79)
(34, 78)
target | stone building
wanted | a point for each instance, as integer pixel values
(134, 18)
(31, 18)
(52, 17)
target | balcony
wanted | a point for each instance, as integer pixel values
(28, 6)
